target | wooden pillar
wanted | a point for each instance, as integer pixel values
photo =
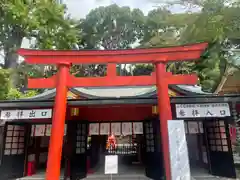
(165, 114)
(58, 122)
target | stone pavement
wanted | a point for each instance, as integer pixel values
(124, 177)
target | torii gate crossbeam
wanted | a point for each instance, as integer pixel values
(63, 80)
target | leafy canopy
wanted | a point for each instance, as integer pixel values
(43, 22)
(112, 27)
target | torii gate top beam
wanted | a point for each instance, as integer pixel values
(153, 55)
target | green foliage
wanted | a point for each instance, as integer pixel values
(5, 85)
(112, 27)
(108, 28)
(41, 21)
(216, 23)
(6, 92)
(115, 27)
(16, 94)
(143, 69)
(210, 68)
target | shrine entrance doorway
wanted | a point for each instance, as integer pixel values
(37, 150)
(128, 146)
(137, 145)
(209, 145)
(13, 149)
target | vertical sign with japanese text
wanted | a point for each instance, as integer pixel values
(116, 129)
(94, 129)
(127, 128)
(104, 128)
(179, 159)
(40, 130)
(137, 128)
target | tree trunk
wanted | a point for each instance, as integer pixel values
(221, 84)
(11, 60)
(10, 52)
(13, 43)
(229, 70)
(11, 63)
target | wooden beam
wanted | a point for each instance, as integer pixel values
(111, 69)
(183, 79)
(40, 83)
(95, 81)
(185, 48)
(107, 81)
(124, 58)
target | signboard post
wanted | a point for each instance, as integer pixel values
(111, 164)
(179, 160)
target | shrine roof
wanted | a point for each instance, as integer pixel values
(48, 103)
(121, 92)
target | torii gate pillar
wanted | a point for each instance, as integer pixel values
(165, 114)
(64, 80)
(58, 123)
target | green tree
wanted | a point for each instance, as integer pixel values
(216, 22)
(5, 85)
(157, 30)
(44, 21)
(14, 94)
(6, 92)
(163, 28)
(110, 27)
(143, 69)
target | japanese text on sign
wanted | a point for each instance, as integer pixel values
(179, 159)
(26, 114)
(202, 110)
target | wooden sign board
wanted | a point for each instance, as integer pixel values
(26, 114)
(203, 110)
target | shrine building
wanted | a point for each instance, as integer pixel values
(43, 138)
(92, 114)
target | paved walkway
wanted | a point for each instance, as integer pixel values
(197, 174)
(122, 177)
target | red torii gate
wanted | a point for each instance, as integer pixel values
(63, 80)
